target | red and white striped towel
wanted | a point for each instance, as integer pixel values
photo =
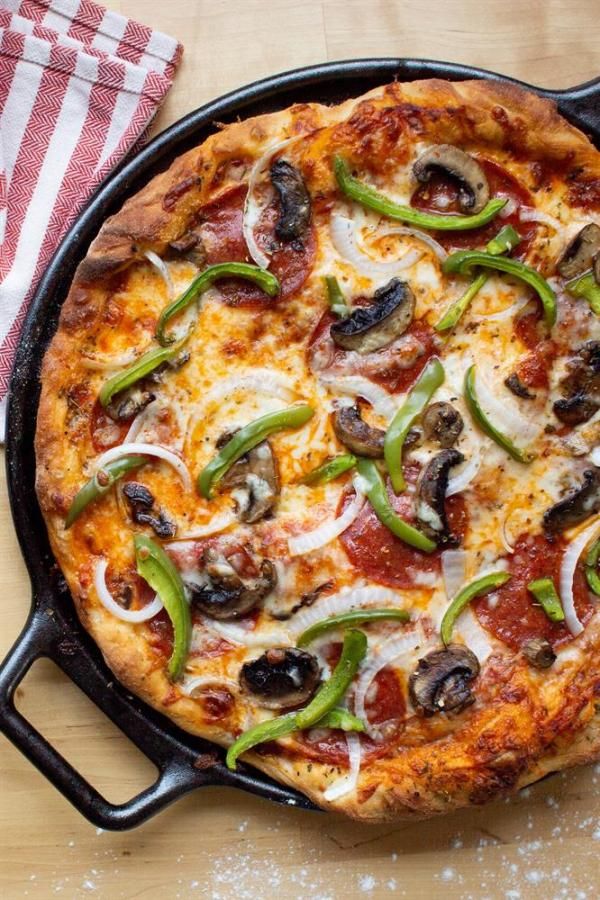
(79, 85)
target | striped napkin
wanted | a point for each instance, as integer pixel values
(79, 85)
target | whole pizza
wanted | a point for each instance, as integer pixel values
(318, 445)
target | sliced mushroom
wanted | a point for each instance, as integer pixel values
(514, 384)
(355, 434)
(294, 199)
(442, 680)
(368, 328)
(442, 423)
(226, 595)
(577, 506)
(474, 191)
(255, 482)
(281, 678)
(141, 505)
(129, 403)
(581, 252)
(430, 504)
(581, 386)
(538, 651)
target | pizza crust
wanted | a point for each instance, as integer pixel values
(496, 748)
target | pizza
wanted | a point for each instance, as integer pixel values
(317, 445)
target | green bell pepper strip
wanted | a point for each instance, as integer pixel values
(591, 563)
(522, 456)
(342, 719)
(353, 617)
(505, 240)
(323, 703)
(464, 260)
(337, 301)
(419, 396)
(476, 588)
(329, 694)
(101, 483)
(587, 287)
(545, 593)
(377, 494)
(143, 366)
(372, 199)
(247, 438)
(265, 280)
(330, 469)
(156, 568)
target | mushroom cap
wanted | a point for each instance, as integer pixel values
(441, 681)
(474, 191)
(443, 423)
(430, 504)
(577, 506)
(538, 651)
(356, 435)
(294, 200)
(226, 596)
(368, 328)
(581, 252)
(281, 678)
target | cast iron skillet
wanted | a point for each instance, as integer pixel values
(52, 629)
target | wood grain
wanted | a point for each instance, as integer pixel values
(224, 844)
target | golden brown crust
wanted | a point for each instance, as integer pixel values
(499, 746)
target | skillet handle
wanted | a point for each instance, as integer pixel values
(581, 105)
(176, 764)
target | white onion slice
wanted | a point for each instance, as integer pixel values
(110, 604)
(526, 214)
(343, 238)
(345, 601)
(325, 533)
(595, 456)
(567, 574)
(142, 449)
(504, 415)
(419, 236)
(119, 361)
(473, 635)
(465, 474)
(192, 684)
(262, 381)
(508, 209)
(163, 270)
(252, 209)
(454, 571)
(139, 422)
(386, 654)
(383, 403)
(218, 523)
(347, 783)
(235, 634)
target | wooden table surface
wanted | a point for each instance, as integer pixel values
(221, 843)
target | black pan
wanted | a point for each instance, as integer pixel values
(52, 629)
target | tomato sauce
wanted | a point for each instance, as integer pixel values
(380, 555)
(514, 617)
(530, 328)
(223, 239)
(440, 195)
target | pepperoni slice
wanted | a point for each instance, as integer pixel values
(378, 554)
(105, 432)
(394, 371)
(530, 328)
(223, 240)
(512, 614)
(440, 195)
(533, 370)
